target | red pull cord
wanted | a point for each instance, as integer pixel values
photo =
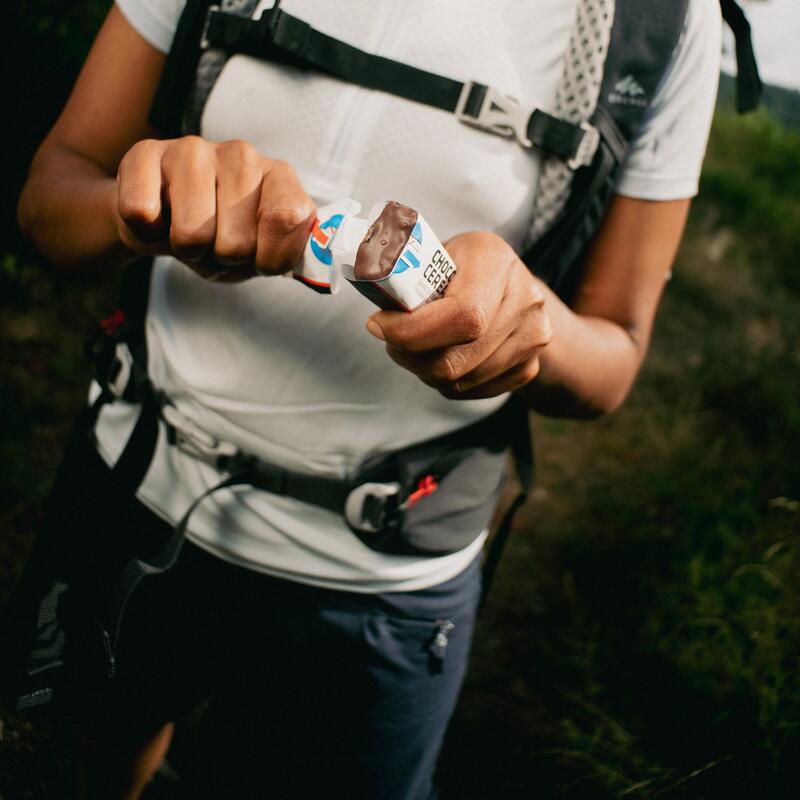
(426, 486)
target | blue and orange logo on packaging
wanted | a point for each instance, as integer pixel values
(321, 235)
(411, 255)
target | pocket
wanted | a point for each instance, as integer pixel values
(409, 645)
(450, 518)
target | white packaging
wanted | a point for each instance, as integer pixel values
(317, 270)
(418, 268)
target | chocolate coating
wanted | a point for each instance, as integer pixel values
(384, 242)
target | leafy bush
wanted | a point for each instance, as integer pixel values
(647, 620)
(643, 639)
(752, 176)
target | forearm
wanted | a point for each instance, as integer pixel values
(66, 210)
(587, 369)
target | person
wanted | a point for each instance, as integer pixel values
(274, 604)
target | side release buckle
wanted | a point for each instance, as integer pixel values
(204, 43)
(119, 370)
(370, 506)
(192, 439)
(486, 108)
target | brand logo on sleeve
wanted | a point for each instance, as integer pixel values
(628, 92)
(321, 235)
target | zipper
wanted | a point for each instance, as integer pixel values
(441, 639)
(343, 143)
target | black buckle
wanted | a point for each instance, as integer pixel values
(186, 435)
(370, 507)
(204, 43)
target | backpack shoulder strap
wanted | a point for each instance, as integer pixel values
(748, 81)
(191, 68)
(643, 39)
(180, 69)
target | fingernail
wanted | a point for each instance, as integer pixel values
(375, 329)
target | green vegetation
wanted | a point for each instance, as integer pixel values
(646, 627)
(643, 638)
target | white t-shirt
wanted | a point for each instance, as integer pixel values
(292, 376)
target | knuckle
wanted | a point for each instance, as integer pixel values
(401, 339)
(133, 210)
(547, 332)
(238, 151)
(192, 142)
(541, 331)
(472, 322)
(230, 250)
(237, 147)
(493, 240)
(184, 239)
(529, 371)
(186, 153)
(282, 169)
(537, 298)
(449, 368)
(285, 220)
(142, 150)
(267, 266)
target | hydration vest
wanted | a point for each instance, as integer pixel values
(643, 38)
(393, 503)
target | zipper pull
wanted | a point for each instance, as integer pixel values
(438, 645)
(108, 650)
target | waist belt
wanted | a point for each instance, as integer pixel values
(370, 498)
(428, 499)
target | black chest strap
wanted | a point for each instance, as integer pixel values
(748, 81)
(282, 38)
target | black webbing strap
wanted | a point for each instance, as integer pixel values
(748, 81)
(522, 452)
(554, 258)
(280, 37)
(180, 69)
(331, 492)
(137, 569)
(322, 491)
(130, 468)
(327, 492)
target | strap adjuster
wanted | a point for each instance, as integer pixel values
(119, 370)
(204, 43)
(587, 148)
(370, 506)
(192, 439)
(486, 108)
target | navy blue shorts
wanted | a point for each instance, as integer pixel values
(316, 692)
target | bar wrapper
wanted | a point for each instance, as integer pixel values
(317, 270)
(392, 256)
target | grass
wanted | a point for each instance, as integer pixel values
(643, 638)
(646, 624)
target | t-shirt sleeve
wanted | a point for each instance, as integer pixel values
(666, 158)
(154, 20)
